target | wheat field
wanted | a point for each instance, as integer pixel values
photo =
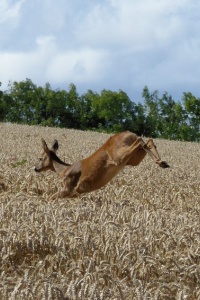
(137, 238)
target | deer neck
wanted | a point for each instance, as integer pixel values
(60, 167)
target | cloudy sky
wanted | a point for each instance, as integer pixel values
(102, 44)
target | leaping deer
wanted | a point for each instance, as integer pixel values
(98, 169)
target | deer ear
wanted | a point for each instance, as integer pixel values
(44, 145)
(55, 146)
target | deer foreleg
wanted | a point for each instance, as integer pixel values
(71, 180)
(64, 194)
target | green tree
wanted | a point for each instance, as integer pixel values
(72, 108)
(114, 109)
(2, 107)
(138, 122)
(171, 120)
(151, 104)
(192, 109)
(171, 117)
(51, 106)
(7, 111)
(89, 117)
(26, 103)
(19, 99)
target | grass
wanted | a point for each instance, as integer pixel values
(137, 238)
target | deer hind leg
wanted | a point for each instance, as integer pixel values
(150, 148)
(137, 157)
(139, 154)
(131, 153)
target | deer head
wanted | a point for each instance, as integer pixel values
(47, 157)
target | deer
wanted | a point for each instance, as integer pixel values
(94, 172)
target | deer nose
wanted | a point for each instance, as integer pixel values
(36, 169)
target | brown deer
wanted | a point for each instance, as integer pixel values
(98, 169)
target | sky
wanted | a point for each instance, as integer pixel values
(102, 44)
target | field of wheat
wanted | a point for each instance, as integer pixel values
(137, 238)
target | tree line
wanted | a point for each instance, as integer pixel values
(157, 116)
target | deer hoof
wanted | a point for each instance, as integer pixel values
(163, 164)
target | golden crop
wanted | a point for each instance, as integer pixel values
(136, 238)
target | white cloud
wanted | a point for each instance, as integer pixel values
(48, 64)
(85, 65)
(10, 10)
(17, 66)
(137, 25)
(97, 44)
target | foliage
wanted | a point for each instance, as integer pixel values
(26, 103)
(173, 120)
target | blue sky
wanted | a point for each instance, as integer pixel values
(102, 44)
